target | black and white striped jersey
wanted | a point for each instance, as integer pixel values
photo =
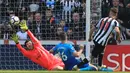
(105, 27)
(67, 9)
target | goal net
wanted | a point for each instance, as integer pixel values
(46, 19)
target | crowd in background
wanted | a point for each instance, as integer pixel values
(123, 15)
(47, 18)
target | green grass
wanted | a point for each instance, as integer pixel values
(40, 71)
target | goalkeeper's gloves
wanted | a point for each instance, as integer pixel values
(23, 25)
(15, 38)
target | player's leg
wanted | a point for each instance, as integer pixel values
(84, 65)
(98, 49)
(83, 62)
(105, 69)
(109, 69)
(58, 68)
(100, 57)
(89, 68)
(58, 64)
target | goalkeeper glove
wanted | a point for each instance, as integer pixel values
(23, 25)
(14, 37)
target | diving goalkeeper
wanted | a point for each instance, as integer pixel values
(36, 52)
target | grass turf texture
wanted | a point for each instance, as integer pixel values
(42, 71)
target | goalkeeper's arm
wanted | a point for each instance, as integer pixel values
(14, 37)
(24, 27)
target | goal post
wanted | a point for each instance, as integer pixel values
(93, 14)
(87, 28)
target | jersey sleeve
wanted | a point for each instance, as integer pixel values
(116, 23)
(99, 23)
(72, 49)
(21, 49)
(32, 37)
(54, 49)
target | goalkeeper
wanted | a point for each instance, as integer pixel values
(36, 52)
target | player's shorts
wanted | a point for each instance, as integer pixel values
(98, 49)
(57, 62)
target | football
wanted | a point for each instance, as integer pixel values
(14, 20)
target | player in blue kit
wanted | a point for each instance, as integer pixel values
(70, 56)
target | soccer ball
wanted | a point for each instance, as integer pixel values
(14, 20)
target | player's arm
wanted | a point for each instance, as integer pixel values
(24, 27)
(76, 53)
(118, 35)
(21, 49)
(93, 28)
(51, 51)
(14, 37)
(32, 37)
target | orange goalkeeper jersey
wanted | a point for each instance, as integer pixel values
(40, 55)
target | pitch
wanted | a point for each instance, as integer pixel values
(42, 71)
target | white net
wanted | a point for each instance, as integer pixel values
(46, 19)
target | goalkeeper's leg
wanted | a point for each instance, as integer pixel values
(57, 64)
(58, 68)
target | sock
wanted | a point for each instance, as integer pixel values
(89, 68)
(85, 61)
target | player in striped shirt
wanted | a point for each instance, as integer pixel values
(105, 27)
